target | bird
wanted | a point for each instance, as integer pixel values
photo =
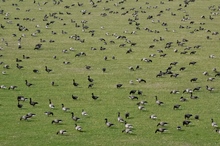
(187, 116)
(176, 106)
(84, 113)
(183, 99)
(78, 128)
(158, 102)
(56, 121)
(214, 124)
(25, 117)
(179, 128)
(133, 97)
(141, 80)
(120, 119)
(64, 108)
(48, 113)
(103, 70)
(62, 132)
(209, 88)
(143, 102)
(19, 105)
(127, 130)
(119, 85)
(153, 116)
(108, 124)
(161, 130)
(193, 96)
(33, 103)
(74, 117)
(196, 117)
(193, 79)
(51, 105)
(74, 97)
(94, 97)
(140, 107)
(35, 71)
(90, 85)
(162, 123)
(74, 83)
(132, 92)
(186, 122)
(21, 98)
(127, 115)
(28, 84)
(174, 92)
(47, 69)
(210, 79)
(128, 126)
(90, 79)
(88, 67)
(196, 89)
(19, 66)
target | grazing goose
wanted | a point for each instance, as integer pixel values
(21, 98)
(210, 79)
(193, 79)
(139, 92)
(182, 68)
(132, 92)
(74, 117)
(161, 130)
(196, 117)
(51, 105)
(183, 99)
(12, 87)
(90, 85)
(192, 63)
(218, 131)
(19, 66)
(127, 130)
(84, 113)
(78, 128)
(158, 102)
(214, 124)
(61, 132)
(209, 88)
(140, 107)
(193, 97)
(25, 117)
(143, 102)
(196, 89)
(154, 117)
(48, 113)
(174, 92)
(133, 97)
(186, 122)
(187, 90)
(141, 80)
(56, 121)
(127, 115)
(128, 126)
(18, 60)
(33, 103)
(162, 123)
(35, 71)
(28, 84)
(90, 79)
(75, 84)
(74, 97)
(19, 105)
(187, 116)
(119, 85)
(176, 106)
(179, 128)
(47, 69)
(94, 97)
(88, 67)
(120, 119)
(64, 108)
(108, 124)
(103, 70)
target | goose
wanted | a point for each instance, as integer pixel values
(28, 84)
(12, 87)
(33, 103)
(90, 85)
(217, 130)
(19, 66)
(78, 128)
(74, 97)
(196, 89)
(48, 113)
(47, 69)
(64, 108)
(119, 85)
(139, 92)
(162, 123)
(176, 106)
(21, 98)
(74, 117)
(141, 80)
(193, 97)
(127, 130)
(84, 113)
(182, 68)
(25, 117)
(19, 105)
(94, 97)
(56, 121)
(153, 116)
(120, 119)
(133, 97)
(90, 79)
(4, 72)
(179, 128)
(187, 116)
(128, 126)
(108, 124)
(88, 67)
(186, 122)
(196, 117)
(192, 63)
(209, 88)
(205, 73)
(187, 90)
(132, 92)
(61, 132)
(35, 70)
(174, 92)
(75, 84)
(143, 102)
(51, 105)
(210, 79)
(193, 79)
(183, 99)
(103, 70)
(158, 102)
(127, 115)
(161, 130)
(213, 123)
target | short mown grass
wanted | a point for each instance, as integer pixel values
(39, 130)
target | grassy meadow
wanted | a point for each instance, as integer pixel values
(64, 20)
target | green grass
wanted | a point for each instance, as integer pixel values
(39, 130)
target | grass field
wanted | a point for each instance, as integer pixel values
(117, 22)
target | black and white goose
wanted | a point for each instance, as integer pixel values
(56, 121)
(186, 122)
(133, 97)
(176, 106)
(33, 103)
(28, 84)
(140, 107)
(187, 116)
(74, 97)
(19, 105)
(78, 128)
(153, 116)
(64, 108)
(51, 105)
(214, 124)
(94, 97)
(25, 117)
(158, 101)
(161, 130)
(162, 123)
(62, 132)
(128, 126)
(74, 83)
(19, 66)
(84, 113)
(127, 130)
(209, 88)
(120, 119)
(90, 79)
(119, 85)
(47, 69)
(127, 115)
(21, 98)
(74, 117)
(108, 124)
(48, 113)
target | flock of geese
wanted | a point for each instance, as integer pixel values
(134, 95)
